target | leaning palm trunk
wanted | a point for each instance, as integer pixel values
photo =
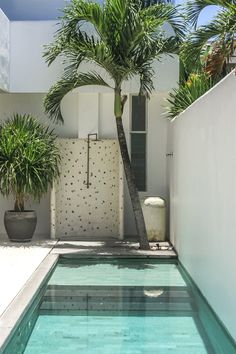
(119, 103)
(134, 196)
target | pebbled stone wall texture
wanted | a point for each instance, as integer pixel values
(96, 211)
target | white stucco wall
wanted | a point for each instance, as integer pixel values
(203, 196)
(29, 73)
(28, 70)
(4, 52)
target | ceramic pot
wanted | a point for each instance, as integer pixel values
(20, 225)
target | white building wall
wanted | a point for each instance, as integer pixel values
(4, 52)
(32, 10)
(29, 72)
(203, 196)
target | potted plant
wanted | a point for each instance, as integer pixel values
(29, 161)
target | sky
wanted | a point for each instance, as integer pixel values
(48, 9)
(206, 15)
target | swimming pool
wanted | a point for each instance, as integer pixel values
(123, 306)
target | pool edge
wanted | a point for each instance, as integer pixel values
(14, 313)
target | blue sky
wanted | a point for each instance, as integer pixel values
(206, 15)
(47, 9)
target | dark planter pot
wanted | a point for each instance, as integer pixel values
(20, 226)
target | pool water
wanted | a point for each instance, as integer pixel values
(129, 334)
(117, 272)
(124, 306)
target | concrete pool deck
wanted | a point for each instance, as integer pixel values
(24, 266)
(18, 262)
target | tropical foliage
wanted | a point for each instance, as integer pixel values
(29, 159)
(188, 92)
(220, 31)
(205, 53)
(147, 3)
(125, 39)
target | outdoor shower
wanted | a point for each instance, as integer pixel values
(88, 184)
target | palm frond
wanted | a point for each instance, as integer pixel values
(194, 7)
(55, 95)
(187, 93)
(222, 29)
(159, 14)
(147, 3)
(78, 12)
(146, 74)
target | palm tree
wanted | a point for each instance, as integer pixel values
(205, 53)
(220, 32)
(126, 39)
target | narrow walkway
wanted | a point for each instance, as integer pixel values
(112, 247)
(17, 264)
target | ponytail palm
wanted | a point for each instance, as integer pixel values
(29, 159)
(125, 40)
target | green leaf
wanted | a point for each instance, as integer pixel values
(29, 157)
(53, 99)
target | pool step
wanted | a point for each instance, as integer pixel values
(115, 298)
(149, 291)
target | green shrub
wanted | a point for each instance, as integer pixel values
(29, 159)
(188, 92)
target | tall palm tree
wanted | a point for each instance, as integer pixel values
(125, 40)
(220, 31)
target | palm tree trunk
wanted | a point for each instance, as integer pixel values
(138, 214)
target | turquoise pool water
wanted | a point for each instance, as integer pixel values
(121, 306)
(118, 272)
(109, 334)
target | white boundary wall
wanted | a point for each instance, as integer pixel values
(203, 196)
(4, 52)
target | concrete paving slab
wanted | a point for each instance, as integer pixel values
(112, 247)
(18, 261)
(12, 316)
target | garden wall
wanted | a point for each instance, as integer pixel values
(203, 195)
